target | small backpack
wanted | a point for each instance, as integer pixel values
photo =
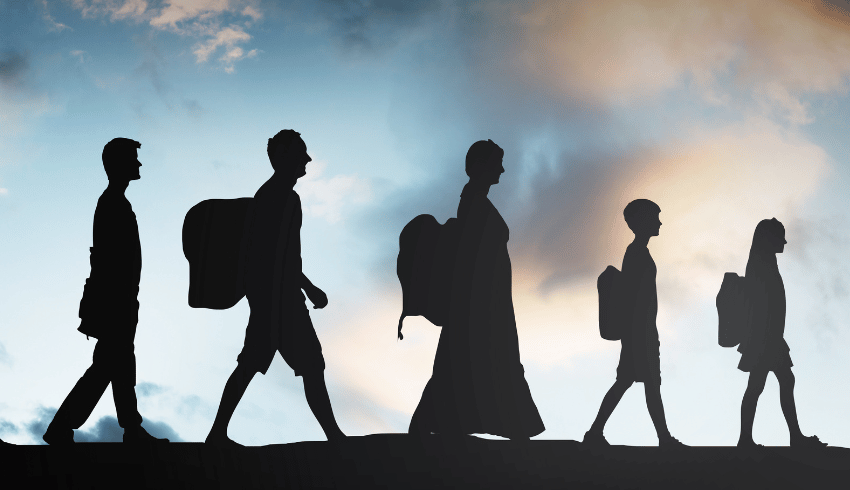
(732, 310)
(425, 268)
(609, 287)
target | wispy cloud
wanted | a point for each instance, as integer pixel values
(79, 54)
(5, 357)
(229, 39)
(52, 24)
(220, 24)
(329, 198)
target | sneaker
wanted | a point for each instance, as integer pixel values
(58, 437)
(811, 442)
(140, 436)
(671, 442)
(594, 439)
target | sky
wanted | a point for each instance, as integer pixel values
(723, 112)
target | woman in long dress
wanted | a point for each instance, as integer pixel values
(764, 348)
(478, 383)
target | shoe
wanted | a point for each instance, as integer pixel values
(671, 442)
(140, 436)
(811, 442)
(221, 441)
(594, 439)
(58, 437)
(749, 445)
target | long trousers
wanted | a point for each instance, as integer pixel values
(113, 362)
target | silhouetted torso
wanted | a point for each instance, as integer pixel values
(109, 309)
(765, 347)
(639, 355)
(478, 383)
(117, 254)
(272, 210)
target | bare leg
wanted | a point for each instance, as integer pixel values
(755, 386)
(609, 403)
(656, 409)
(320, 403)
(786, 401)
(233, 391)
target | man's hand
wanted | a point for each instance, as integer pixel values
(317, 297)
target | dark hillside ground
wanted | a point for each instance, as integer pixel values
(397, 461)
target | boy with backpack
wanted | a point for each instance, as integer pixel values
(639, 354)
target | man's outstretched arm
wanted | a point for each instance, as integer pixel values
(316, 295)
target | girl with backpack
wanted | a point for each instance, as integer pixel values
(763, 348)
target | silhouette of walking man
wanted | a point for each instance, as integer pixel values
(109, 310)
(279, 319)
(764, 349)
(639, 353)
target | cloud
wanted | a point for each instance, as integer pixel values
(182, 11)
(330, 198)
(724, 180)
(5, 357)
(7, 427)
(13, 69)
(366, 25)
(106, 429)
(36, 427)
(227, 38)
(21, 102)
(146, 389)
(79, 54)
(221, 24)
(618, 51)
(136, 10)
(52, 25)
(4, 192)
(193, 107)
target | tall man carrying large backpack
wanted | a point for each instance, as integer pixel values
(109, 310)
(279, 319)
(639, 355)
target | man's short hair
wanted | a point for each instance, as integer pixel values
(117, 152)
(282, 140)
(638, 210)
(479, 156)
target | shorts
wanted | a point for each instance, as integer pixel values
(296, 341)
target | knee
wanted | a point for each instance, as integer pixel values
(244, 373)
(754, 389)
(786, 379)
(622, 385)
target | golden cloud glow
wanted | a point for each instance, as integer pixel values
(615, 51)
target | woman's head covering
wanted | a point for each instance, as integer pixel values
(481, 155)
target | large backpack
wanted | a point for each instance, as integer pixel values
(732, 310)
(215, 235)
(425, 268)
(611, 320)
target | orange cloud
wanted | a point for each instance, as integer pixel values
(616, 51)
(713, 187)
